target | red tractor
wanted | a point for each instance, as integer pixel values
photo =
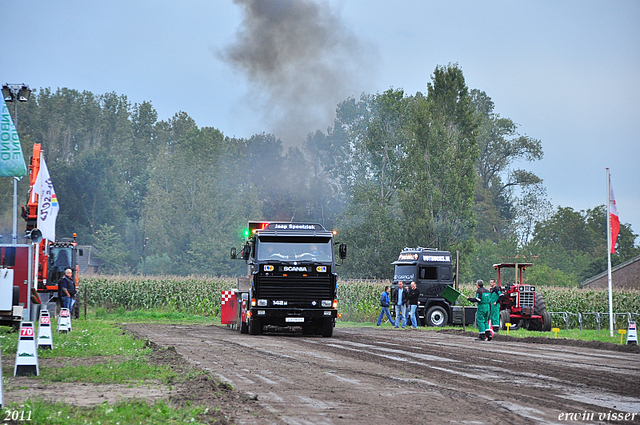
(521, 305)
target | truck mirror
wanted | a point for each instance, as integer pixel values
(233, 253)
(246, 252)
(80, 252)
(343, 251)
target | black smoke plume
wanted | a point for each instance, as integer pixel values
(301, 61)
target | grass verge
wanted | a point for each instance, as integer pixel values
(98, 352)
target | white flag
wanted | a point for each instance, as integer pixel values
(47, 202)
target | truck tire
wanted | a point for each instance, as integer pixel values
(16, 295)
(255, 327)
(436, 316)
(546, 321)
(327, 328)
(244, 329)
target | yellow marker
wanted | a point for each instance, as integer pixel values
(556, 330)
(508, 325)
(622, 332)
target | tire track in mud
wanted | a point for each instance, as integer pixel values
(365, 375)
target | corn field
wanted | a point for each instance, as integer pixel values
(358, 300)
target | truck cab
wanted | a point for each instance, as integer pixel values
(292, 278)
(432, 270)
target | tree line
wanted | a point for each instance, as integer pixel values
(434, 169)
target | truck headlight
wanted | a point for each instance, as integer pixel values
(262, 303)
(326, 303)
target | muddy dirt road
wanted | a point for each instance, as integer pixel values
(382, 375)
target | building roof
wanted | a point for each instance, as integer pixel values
(631, 279)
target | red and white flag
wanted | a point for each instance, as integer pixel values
(613, 216)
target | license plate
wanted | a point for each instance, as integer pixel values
(294, 319)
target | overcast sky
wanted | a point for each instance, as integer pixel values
(568, 72)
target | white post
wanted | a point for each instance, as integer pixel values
(609, 254)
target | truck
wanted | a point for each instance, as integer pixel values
(432, 270)
(291, 278)
(522, 305)
(15, 283)
(51, 258)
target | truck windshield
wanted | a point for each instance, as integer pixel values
(405, 273)
(295, 251)
(60, 258)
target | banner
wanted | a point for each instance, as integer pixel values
(47, 202)
(613, 216)
(11, 160)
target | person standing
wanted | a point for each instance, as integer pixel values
(399, 297)
(413, 297)
(384, 306)
(483, 298)
(67, 289)
(494, 306)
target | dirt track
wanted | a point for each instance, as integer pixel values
(382, 375)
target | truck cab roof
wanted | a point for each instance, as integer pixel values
(423, 255)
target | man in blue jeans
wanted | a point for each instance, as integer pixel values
(414, 295)
(67, 289)
(384, 305)
(399, 298)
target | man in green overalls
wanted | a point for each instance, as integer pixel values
(495, 299)
(483, 298)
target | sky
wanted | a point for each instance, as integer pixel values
(567, 72)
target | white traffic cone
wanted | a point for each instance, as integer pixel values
(45, 339)
(64, 321)
(632, 334)
(27, 354)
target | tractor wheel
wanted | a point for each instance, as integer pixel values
(540, 305)
(504, 319)
(327, 328)
(255, 327)
(546, 321)
(436, 316)
(533, 324)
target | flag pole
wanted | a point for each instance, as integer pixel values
(609, 253)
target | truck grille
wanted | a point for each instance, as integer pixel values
(295, 289)
(527, 299)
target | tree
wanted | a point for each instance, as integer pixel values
(500, 146)
(438, 190)
(110, 249)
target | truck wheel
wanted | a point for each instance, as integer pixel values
(255, 327)
(16, 295)
(504, 319)
(436, 316)
(244, 329)
(546, 321)
(327, 328)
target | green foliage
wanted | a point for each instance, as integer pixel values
(124, 412)
(575, 243)
(110, 249)
(434, 170)
(190, 294)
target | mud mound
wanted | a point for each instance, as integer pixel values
(598, 345)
